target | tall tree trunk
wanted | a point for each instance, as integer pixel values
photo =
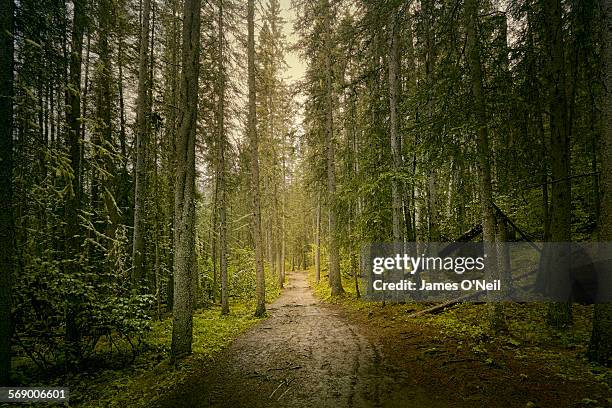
(278, 237)
(123, 199)
(73, 204)
(172, 93)
(356, 259)
(221, 149)
(396, 153)
(559, 314)
(184, 202)
(7, 220)
(410, 206)
(318, 241)
(213, 220)
(335, 279)
(283, 218)
(143, 111)
(104, 104)
(538, 122)
(600, 348)
(260, 309)
(84, 104)
(432, 193)
(482, 145)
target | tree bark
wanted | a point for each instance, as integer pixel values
(184, 203)
(104, 102)
(73, 204)
(559, 314)
(318, 241)
(335, 280)
(221, 149)
(7, 219)
(600, 348)
(142, 140)
(260, 309)
(396, 185)
(433, 221)
(283, 219)
(482, 146)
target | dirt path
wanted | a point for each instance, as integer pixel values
(304, 355)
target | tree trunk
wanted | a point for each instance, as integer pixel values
(318, 241)
(7, 219)
(600, 348)
(123, 199)
(73, 113)
(283, 220)
(482, 145)
(221, 150)
(260, 310)
(559, 314)
(184, 203)
(104, 99)
(410, 206)
(142, 140)
(433, 221)
(396, 185)
(335, 280)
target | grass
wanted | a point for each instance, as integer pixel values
(528, 337)
(152, 373)
(116, 381)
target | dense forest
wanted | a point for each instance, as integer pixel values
(157, 160)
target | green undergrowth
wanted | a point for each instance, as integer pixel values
(130, 380)
(152, 373)
(140, 382)
(465, 326)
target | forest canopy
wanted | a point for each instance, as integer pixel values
(157, 158)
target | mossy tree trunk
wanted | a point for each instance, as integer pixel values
(184, 202)
(482, 147)
(600, 348)
(260, 309)
(559, 314)
(143, 112)
(7, 220)
(222, 145)
(335, 280)
(74, 142)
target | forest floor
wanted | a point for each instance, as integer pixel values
(349, 353)
(306, 354)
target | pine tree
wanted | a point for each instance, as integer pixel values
(184, 204)
(600, 347)
(143, 117)
(7, 221)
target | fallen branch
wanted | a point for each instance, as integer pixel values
(286, 382)
(276, 389)
(284, 368)
(449, 303)
(462, 360)
(281, 396)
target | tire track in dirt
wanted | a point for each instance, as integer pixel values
(303, 355)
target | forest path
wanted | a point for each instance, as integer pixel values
(304, 355)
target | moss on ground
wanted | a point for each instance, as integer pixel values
(464, 326)
(152, 373)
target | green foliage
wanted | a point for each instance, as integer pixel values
(211, 331)
(140, 384)
(241, 276)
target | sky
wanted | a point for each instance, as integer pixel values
(297, 67)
